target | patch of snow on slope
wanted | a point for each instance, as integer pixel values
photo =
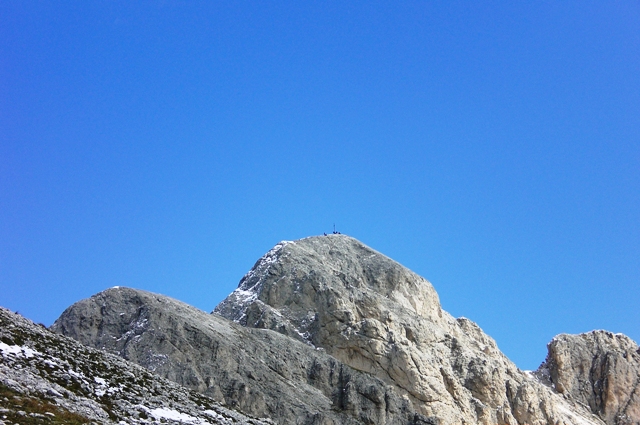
(104, 388)
(213, 414)
(161, 413)
(245, 297)
(262, 266)
(17, 351)
(135, 328)
(51, 363)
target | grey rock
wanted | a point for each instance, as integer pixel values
(258, 371)
(376, 316)
(598, 369)
(325, 330)
(58, 376)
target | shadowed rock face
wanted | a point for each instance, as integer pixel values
(358, 339)
(599, 369)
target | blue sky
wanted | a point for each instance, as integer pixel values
(492, 148)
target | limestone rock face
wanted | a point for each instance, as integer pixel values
(49, 378)
(378, 317)
(599, 369)
(260, 372)
(325, 330)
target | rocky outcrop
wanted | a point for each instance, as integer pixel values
(598, 369)
(258, 371)
(377, 316)
(46, 378)
(325, 330)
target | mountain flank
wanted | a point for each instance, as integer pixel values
(258, 371)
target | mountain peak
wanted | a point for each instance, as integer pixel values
(376, 316)
(296, 283)
(358, 338)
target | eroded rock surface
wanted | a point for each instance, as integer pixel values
(325, 330)
(599, 369)
(375, 315)
(46, 378)
(258, 371)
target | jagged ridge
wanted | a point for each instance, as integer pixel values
(258, 371)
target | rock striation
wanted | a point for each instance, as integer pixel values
(325, 330)
(375, 315)
(46, 378)
(258, 371)
(598, 369)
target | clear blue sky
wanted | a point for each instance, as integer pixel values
(492, 148)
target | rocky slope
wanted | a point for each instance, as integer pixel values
(46, 378)
(325, 330)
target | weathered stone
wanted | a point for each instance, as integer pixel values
(258, 371)
(599, 369)
(328, 331)
(377, 316)
(45, 372)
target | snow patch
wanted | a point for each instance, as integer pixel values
(102, 387)
(51, 363)
(17, 351)
(161, 413)
(213, 414)
(135, 328)
(78, 375)
(263, 265)
(245, 296)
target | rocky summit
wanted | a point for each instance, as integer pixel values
(326, 330)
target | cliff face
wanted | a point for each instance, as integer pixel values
(598, 369)
(376, 316)
(325, 330)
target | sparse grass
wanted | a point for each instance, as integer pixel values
(29, 410)
(107, 405)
